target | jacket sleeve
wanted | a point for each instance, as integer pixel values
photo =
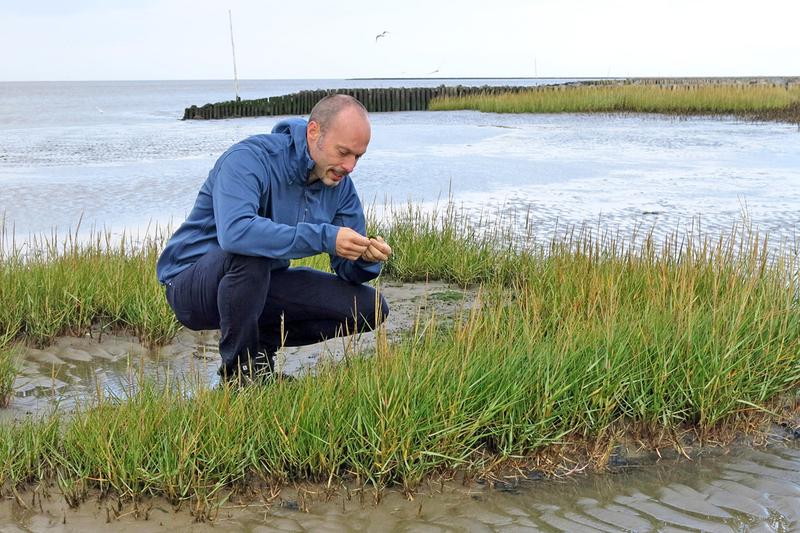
(241, 181)
(351, 215)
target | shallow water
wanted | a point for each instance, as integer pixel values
(76, 371)
(135, 163)
(748, 490)
(743, 490)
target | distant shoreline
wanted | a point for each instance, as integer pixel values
(677, 79)
(489, 78)
(795, 78)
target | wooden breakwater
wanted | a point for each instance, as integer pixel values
(376, 99)
(418, 98)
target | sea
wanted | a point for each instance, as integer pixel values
(115, 156)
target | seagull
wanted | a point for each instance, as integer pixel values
(380, 35)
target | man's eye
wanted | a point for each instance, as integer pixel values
(342, 152)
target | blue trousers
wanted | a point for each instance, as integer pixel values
(251, 305)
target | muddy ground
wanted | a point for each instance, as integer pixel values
(77, 369)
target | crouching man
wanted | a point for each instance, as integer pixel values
(271, 198)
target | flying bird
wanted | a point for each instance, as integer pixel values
(380, 35)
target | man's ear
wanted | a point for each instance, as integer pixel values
(312, 132)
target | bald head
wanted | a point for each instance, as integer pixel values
(338, 133)
(327, 110)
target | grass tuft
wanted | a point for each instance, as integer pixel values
(51, 287)
(8, 373)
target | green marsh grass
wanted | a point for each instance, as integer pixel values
(570, 339)
(52, 287)
(8, 372)
(444, 244)
(760, 101)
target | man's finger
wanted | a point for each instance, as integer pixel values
(360, 239)
(369, 255)
(377, 254)
(378, 243)
(382, 248)
(357, 246)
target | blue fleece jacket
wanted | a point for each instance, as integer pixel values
(257, 201)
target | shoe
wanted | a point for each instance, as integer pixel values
(264, 373)
(233, 379)
(259, 371)
(264, 367)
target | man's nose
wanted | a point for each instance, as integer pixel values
(349, 164)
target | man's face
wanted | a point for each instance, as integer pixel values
(336, 151)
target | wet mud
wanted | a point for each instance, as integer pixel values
(742, 489)
(77, 370)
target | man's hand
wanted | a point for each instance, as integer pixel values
(378, 250)
(350, 244)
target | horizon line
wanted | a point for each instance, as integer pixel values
(370, 78)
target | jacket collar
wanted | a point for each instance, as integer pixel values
(301, 161)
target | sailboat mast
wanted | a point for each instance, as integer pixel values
(233, 50)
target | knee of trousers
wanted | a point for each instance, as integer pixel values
(255, 268)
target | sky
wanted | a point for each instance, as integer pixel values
(182, 39)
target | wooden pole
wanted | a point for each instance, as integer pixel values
(233, 51)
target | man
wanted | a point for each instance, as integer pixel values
(269, 199)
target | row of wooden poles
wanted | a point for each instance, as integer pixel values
(300, 103)
(417, 98)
